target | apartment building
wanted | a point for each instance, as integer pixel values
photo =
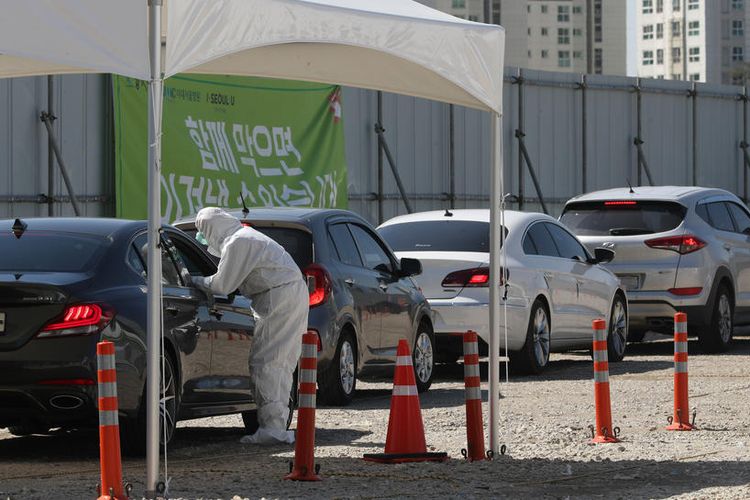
(698, 40)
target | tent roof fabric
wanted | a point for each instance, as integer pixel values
(398, 46)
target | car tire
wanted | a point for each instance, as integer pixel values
(618, 330)
(533, 358)
(339, 381)
(250, 417)
(423, 357)
(718, 335)
(133, 431)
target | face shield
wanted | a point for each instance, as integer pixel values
(200, 238)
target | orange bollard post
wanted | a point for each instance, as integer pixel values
(604, 432)
(111, 487)
(304, 446)
(474, 425)
(680, 421)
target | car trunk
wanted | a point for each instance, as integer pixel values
(437, 265)
(624, 226)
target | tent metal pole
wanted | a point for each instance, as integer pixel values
(47, 119)
(381, 217)
(452, 155)
(153, 311)
(496, 197)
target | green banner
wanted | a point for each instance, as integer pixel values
(275, 142)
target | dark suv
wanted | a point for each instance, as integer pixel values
(362, 298)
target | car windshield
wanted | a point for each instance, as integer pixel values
(296, 242)
(438, 236)
(622, 218)
(50, 251)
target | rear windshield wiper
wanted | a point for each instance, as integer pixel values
(626, 231)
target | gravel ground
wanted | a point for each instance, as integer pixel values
(544, 425)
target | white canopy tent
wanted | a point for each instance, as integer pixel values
(391, 45)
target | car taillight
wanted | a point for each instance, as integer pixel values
(695, 290)
(78, 319)
(680, 244)
(619, 203)
(475, 277)
(318, 284)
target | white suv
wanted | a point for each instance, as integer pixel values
(676, 249)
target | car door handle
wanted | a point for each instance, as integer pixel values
(727, 247)
(349, 281)
(215, 312)
(174, 311)
(383, 286)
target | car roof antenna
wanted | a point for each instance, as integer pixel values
(448, 213)
(245, 210)
(631, 187)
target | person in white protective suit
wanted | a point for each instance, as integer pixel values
(263, 271)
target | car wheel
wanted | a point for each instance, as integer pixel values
(339, 382)
(534, 357)
(133, 432)
(250, 417)
(423, 357)
(718, 335)
(618, 330)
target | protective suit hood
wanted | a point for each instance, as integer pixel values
(216, 226)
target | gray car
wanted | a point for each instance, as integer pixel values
(362, 298)
(677, 249)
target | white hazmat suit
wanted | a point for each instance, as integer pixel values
(263, 271)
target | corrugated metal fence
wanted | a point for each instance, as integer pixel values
(690, 133)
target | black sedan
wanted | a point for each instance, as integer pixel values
(66, 284)
(362, 298)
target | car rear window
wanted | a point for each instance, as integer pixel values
(296, 242)
(622, 217)
(50, 251)
(438, 236)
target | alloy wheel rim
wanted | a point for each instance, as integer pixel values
(725, 318)
(541, 337)
(346, 367)
(168, 404)
(423, 357)
(619, 327)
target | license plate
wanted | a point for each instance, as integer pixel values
(2, 322)
(630, 282)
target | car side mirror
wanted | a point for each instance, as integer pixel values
(603, 255)
(410, 267)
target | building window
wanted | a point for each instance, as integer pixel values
(597, 20)
(660, 77)
(474, 18)
(648, 6)
(577, 9)
(738, 53)
(694, 77)
(648, 57)
(694, 28)
(659, 5)
(545, 32)
(659, 56)
(459, 4)
(676, 55)
(676, 5)
(675, 28)
(563, 13)
(577, 32)
(659, 30)
(738, 28)
(528, 8)
(598, 61)
(577, 54)
(563, 58)
(738, 4)
(676, 76)
(528, 31)
(544, 9)
(694, 54)
(528, 53)
(545, 53)
(648, 32)
(693, 4)
(563, 36)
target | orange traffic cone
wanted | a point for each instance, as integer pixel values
(604, 432)
(111, 487)
(405, 441)
(681, 419)
(474, 427)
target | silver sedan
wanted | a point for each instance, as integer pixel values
(555, 286)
